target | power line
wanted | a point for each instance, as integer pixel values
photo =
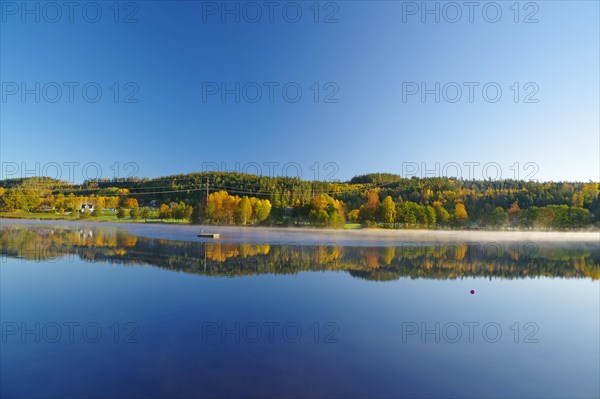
(229, 189)
(80, 188)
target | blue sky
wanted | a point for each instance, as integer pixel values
(171, 61)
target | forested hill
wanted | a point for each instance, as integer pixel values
(384, 199)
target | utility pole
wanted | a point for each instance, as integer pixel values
(207, 190)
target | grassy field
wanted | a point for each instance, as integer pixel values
(106, 217)
(350, 226)
(37, 216)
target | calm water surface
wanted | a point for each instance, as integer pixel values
(146, 311)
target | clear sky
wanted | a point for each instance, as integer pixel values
(175, 65)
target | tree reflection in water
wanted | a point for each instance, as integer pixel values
(442, 260)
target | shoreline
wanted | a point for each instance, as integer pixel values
(275, 234)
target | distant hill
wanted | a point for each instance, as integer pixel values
(418, 202)
(376, 178)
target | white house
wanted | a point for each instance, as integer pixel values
(87, 208)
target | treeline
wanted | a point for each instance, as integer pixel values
(406, 214)
(376, 200)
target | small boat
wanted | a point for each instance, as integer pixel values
(208, 235)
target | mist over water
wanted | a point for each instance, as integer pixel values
(309, 236)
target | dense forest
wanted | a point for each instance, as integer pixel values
(373, 200)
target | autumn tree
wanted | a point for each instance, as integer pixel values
(13, 199)
(97, 212)
(243, 211)
(431, 216)
(164, 212)
(460, 213)
(327, 211)
(71, 203)
(59, 202)
(513, 213)
(261, 210)
(112, 202)
(442, 215)
(368, 211)
(589, 194)
(187, 212)
(354, 215)
(546, 217)
(130, 203)
(178, 210)
(121, 213)
(145, 213)
(135, 213)
(387, 210)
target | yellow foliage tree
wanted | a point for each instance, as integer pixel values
(460, 213)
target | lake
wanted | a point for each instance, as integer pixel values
(118, 310)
